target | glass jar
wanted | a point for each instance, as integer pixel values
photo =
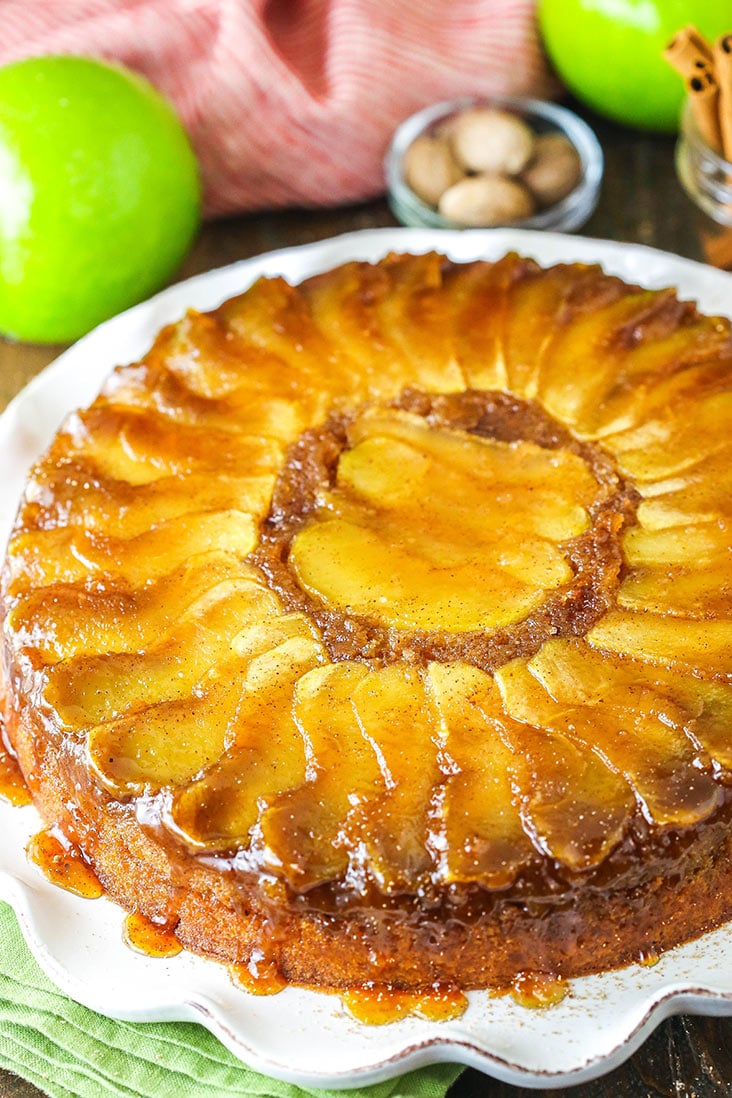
(705, 175)
(707, 179)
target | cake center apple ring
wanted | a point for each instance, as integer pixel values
(467, 526)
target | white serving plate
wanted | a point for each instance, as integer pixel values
(302, 1036)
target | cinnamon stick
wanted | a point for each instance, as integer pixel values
(689, 52)
(723, 71)
(704, 100)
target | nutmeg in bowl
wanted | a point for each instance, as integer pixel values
(472, 163)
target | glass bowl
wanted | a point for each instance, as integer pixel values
(567, 215)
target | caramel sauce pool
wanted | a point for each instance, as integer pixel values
(152, 939)
(378, 1006)
(63, 865)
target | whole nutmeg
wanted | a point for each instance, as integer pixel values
(555, 169)
(430, 168)
(485, 139)
(486, 200)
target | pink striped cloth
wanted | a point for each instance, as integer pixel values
(293, 102)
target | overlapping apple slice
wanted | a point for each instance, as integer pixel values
(277, 320)
(74, 493)
(89, 689)
(479, 296)
(304, 829)
(74, 554)
(639, 732)
(264, 753)
(65, 619)
(140, 446)
(393, 319)
(678, 439)
(539, 306)
(699, 646)
(671, 359)
(273, 414)
(478, 835)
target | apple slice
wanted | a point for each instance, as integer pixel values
(66, 620)
(687, 544)
(305, 829)
(348, 566)
(410, 309)
(701, 647)
(140, 446)
(166, 743)
(276, 319)
(575, 807)
(537, 306)
(413, 505)
(636, 727)
(497, 475)
(570, 669)
(144, 386)
(674, 442)
(480, 294)
(687, 592)
(75, 493)
(685, 507)
(398, 722)
(567, 387)
(90, 689)
(264, 754)
(661, 369)
(709, 714)
(481, 838)
(205, 357)
(344, 305)
(72, 554)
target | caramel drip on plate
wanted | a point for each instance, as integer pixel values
(152, 939)
(378, 1006)
(538, 989)
(63, 865)
(260, 976)
(648, 958)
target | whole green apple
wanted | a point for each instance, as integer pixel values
(609, 53)
(99, 195)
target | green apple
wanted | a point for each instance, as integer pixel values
(99, 195)
(609, 53)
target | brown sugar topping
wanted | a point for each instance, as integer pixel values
(302, 498)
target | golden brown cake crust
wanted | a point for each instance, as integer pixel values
(380, 626)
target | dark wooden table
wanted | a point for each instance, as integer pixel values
(641, 202)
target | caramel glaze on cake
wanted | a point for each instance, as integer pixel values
(379, 629)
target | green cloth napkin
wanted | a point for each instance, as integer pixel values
(71, 1052)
